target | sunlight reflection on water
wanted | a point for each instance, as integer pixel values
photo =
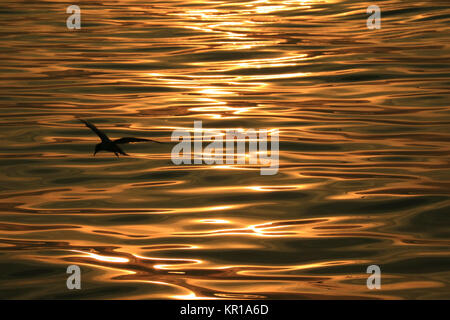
(363, 117)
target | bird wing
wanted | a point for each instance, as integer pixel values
(102, 136)
(130, 139)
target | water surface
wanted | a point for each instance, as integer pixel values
(364, 122)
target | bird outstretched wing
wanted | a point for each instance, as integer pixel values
(130, 139)
(102, 136)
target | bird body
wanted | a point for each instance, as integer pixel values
(112, 145)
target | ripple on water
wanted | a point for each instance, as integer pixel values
(364, 150)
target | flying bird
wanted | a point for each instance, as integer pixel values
(112, 145)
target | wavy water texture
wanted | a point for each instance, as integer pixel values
(363, 117)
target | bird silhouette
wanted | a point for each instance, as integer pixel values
(112, 145)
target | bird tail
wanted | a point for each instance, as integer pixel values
(122, 152)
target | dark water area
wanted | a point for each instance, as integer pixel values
(364, 127)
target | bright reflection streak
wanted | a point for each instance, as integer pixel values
(193, 296)
(238, 189)
(188, 261)
(219, 221)
(103, 258)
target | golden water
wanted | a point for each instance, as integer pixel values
(364, 122)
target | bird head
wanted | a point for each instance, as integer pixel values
(97, 148)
